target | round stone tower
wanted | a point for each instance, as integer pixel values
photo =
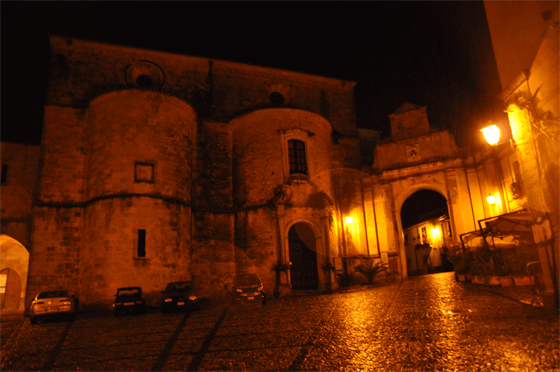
(138, 187)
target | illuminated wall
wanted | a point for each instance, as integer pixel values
(526, 43)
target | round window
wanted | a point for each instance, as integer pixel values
(276, 98)
(144, 81)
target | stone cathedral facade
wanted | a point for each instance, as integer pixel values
(158, 167)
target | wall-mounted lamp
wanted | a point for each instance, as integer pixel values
(349, 219)
(490, 199)
(491, 134)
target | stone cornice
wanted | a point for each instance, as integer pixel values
(73, 204)
(513, 86)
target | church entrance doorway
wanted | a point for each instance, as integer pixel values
(303, 256)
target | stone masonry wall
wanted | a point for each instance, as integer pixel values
(213, 168)
(17, 190)
(54, 261)
(256, 250)
(110, 254)
(135, 132)
(63, 151)
(220, 89)
(213, 253)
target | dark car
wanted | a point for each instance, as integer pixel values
(248, 288)
(129, 299)
(179, 296)
(52, 304)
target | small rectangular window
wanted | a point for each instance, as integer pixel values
(141, 243)
(4, 175)
(296, 154)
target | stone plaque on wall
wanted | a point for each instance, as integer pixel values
(413, 152)
(143, 172)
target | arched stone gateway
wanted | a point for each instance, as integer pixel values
(14, 263)
(303, 257)
(426, 230)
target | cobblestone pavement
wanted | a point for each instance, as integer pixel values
(427, 323)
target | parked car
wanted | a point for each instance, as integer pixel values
(179, 296)
(129, 299)
(248, 288)
(51, 304)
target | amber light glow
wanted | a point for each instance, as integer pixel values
(491, 199)
(491, 134)
(349, 219)
(436, 234)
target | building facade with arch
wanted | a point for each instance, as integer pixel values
(157, 167)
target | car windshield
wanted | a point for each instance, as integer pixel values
(246, 280)
(178, 287)
(128, 291)
(52, 294)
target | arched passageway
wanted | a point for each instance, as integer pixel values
(427, 231)
(303, 257)
(14, 265)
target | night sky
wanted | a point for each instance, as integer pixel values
(436, 54)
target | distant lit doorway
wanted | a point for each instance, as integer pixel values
(427, 232)
(303, 257)
(10, 289)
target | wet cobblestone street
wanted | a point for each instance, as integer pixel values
(428, 323)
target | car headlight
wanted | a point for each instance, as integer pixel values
(65, 302)
(192, 298)
(168, 300)
(239, 290)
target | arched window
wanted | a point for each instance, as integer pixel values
(296, 154)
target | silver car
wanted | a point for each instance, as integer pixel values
(52, 303)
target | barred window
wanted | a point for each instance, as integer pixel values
(296, 153)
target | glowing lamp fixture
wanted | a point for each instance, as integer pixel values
(491, 134)
(490, 199)
(349, 219)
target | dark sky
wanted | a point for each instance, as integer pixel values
(422, 206)
(428, 53)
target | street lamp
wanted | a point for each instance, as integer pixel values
(491, 134)
(349, 219)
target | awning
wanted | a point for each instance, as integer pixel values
(515, 224)
(509, 222)
(504, 231)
